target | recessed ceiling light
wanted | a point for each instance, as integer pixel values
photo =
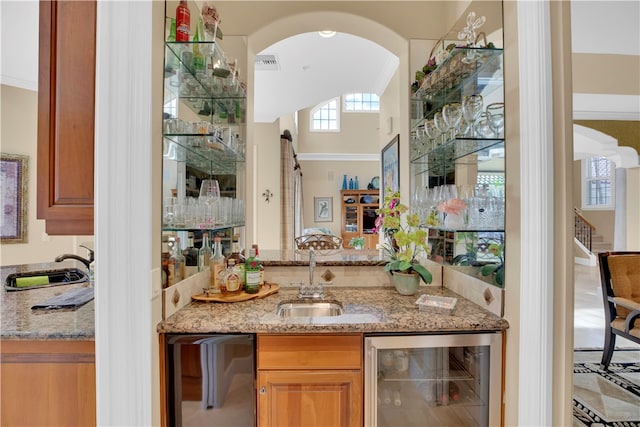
(327, 34)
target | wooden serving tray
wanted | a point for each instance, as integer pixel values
(265, 290)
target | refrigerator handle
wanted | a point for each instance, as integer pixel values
(371, 383)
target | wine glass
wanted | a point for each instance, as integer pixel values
(483, 127)
(471, 109)
(432, 132)
(452, 114)
(495, 114)
(440, 124)
(209, 195)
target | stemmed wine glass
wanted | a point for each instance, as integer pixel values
(495, 115)
(432, 132)
(471, 109)
(452, 114)
(209, 194)
(440, 124)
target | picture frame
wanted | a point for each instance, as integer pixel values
(14, 174)
(390, 162)
(323, 209)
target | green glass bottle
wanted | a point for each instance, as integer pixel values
(252, 273)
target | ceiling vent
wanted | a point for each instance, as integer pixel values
(267, 63)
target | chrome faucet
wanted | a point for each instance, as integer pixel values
(85, 261)
(311, 291)
(312, 265)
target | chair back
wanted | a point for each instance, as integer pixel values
(620, 277)
(318, 241)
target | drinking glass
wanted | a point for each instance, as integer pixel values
(483, 127)
(495, 114)
(452, 115)
(471, 109)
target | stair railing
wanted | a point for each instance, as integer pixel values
(583, 229)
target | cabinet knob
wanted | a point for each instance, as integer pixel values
(263, 390)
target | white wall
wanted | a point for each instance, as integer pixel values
(18, 135)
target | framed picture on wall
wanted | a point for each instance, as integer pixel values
(14, 196)
(323, 209)
(391, 166)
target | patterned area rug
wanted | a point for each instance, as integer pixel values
(606, 398)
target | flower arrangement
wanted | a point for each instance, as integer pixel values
(452, 206)
(496, 249)
(357, 242)
(408, 240)
(432, 63)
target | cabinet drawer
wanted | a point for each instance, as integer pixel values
(342, 351)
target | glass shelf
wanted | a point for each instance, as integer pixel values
(443, 156)
(217, 227)
(203, 152)
(213, 84)
(455, 78)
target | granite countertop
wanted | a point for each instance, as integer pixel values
(20, 322)
(337, 257)
(369, 310)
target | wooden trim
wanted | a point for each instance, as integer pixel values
(583, 219)
(162, 364)
(52, 347)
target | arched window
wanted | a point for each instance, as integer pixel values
(326, 117)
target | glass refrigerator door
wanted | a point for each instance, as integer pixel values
(433, 380)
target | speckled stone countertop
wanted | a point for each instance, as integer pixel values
(20, 322)
(338, 257)
(369, 310)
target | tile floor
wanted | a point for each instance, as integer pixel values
(606, 398)
(588, 329)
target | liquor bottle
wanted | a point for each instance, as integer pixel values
(191, 258)
(166, 277)
(252, 273)
(255, 246)
(217, 263)
(231, 285)
(204, 254)
(190, 253)
(176, 263)
(237, 257)
(198, 57)
(172, 59)
(183, 21)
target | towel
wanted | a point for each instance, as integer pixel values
(71, 299)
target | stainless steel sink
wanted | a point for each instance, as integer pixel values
(309, 309)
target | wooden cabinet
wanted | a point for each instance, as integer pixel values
(310, 380)
(359, 216)
(66, 107)
(47, 383)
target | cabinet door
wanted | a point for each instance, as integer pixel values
(66, 106)
(310, 398)
(47, 383)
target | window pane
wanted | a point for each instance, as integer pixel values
(361, 102)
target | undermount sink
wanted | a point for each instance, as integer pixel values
(309, 309)
(44, 278)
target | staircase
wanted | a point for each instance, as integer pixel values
(587, 243)
(599, 245)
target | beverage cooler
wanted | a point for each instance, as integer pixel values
(433, 380)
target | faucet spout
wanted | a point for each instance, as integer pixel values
(85, 261)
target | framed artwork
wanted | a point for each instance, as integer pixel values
(14, 197)
(391, 166)
(323, 209)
